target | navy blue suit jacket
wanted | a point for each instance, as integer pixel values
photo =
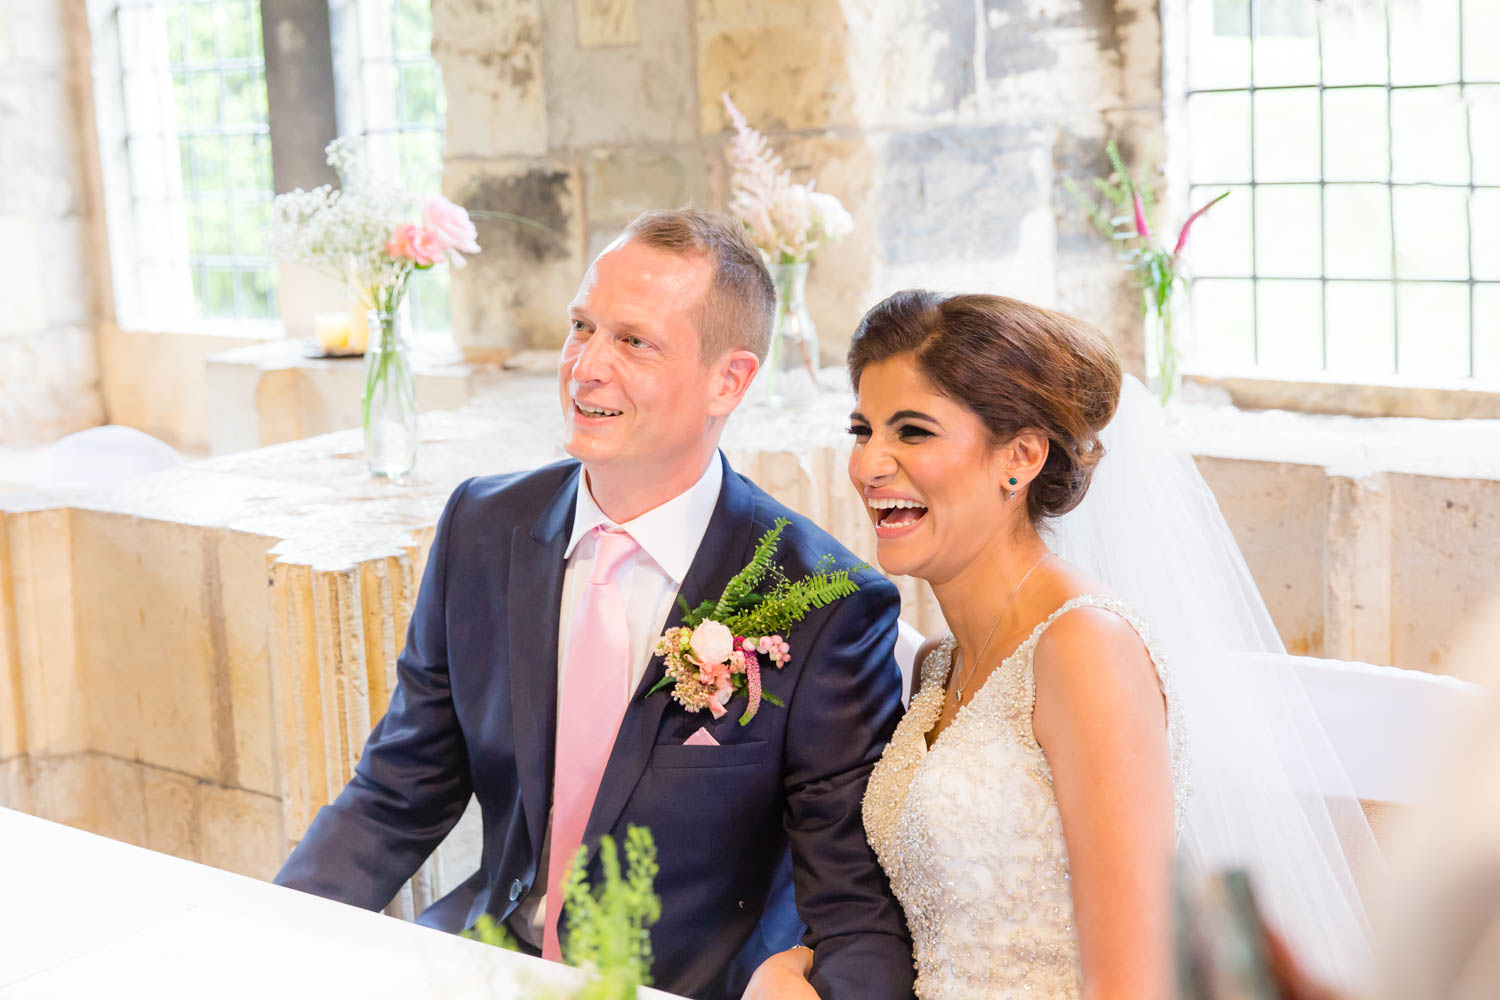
(475, 710)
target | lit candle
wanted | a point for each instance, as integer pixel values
(333, 330)
(359, 329)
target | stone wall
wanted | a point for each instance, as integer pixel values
(49, 368)
(944, 126)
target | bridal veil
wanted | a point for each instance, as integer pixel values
(1268, 793)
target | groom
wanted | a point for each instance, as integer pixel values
(530, 651)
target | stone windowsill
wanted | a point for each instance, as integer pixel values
(1476, 398)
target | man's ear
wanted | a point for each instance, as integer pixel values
(732, 376)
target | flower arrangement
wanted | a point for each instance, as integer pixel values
(715, 653)
(787, 221)
(608, 928)
(1122, 215)
(363, 233)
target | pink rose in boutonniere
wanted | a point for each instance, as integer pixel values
(716, 652)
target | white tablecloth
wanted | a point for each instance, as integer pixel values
(82, 916)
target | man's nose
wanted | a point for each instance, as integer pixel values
(593, 362)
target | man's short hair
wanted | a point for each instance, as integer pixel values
(740, 304)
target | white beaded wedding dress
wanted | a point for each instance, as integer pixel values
(968, 830)
(969, 833)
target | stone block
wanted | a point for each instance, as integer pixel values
(239, 831)
(913, 63)
(783, 63)
(607, 22)
(93, 792)
(621, 183)
(1062, 56)
(490, 53)
(147, 653)
(26, 310)
(53, 692)
(639, 94)
(515, 294)
(15, 785)
(49, 385)
(1436, 597)
(1279, 513)
(171, 802)
(245, 621)
(39, 156)
(954, 194)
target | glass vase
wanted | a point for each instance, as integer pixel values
(390, 398)
(791, 369)
(1163, 352)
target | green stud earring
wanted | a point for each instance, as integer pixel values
(1013, 480)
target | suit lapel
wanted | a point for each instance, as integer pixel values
(535, 589)
(722, 553)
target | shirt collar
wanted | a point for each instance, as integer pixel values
(670, 533)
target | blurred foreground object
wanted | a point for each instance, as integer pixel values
(103, 455)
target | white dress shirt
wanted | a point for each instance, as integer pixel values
(668, 536)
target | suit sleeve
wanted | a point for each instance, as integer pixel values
(843, 712)
(412, 781)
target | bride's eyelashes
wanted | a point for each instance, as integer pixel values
(909, 433)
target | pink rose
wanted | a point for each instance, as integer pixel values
(415, 243)
(451, 224)
(712, 642)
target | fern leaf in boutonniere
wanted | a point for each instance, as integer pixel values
(715, 653)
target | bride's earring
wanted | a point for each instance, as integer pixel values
(1012, 494)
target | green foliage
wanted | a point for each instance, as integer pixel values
(790, 601)
(488, 930)
(608, 928)
(739, 593)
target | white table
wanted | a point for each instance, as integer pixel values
(82, 916)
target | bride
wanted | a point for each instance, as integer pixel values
(1112, 698)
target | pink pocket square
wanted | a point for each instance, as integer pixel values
(700, 739)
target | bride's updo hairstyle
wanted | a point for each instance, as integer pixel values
(1016, 366)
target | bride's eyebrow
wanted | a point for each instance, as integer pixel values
(856, 415)
(901, 415)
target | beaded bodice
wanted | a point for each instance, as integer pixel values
(969, 833)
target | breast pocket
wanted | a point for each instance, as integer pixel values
(671, 755)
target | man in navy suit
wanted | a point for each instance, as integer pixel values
(758, 827)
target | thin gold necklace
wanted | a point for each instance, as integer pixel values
(958, 691)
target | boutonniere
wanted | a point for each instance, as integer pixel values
(715, 653)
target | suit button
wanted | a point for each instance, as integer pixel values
(516, 888)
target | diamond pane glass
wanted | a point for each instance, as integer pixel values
(1356, 137)
(1288, 231)
(1289, 322)
(1286, 135)
(1431, 229)
(1223, 328)
(1220, 242)
(1361, 328)
(1428, 136)
(1358, 219)
(1433, 320)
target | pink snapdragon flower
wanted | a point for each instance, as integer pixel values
(1141, 229)
(417, 244)
(452, 227)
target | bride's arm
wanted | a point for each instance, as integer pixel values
(1101, 719)
(783, 976)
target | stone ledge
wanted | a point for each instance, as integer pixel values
(272, 393)
(1478, 399)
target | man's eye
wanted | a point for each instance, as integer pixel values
(860, 431)
(635, 342)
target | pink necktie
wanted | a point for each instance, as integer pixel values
(595, 690)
